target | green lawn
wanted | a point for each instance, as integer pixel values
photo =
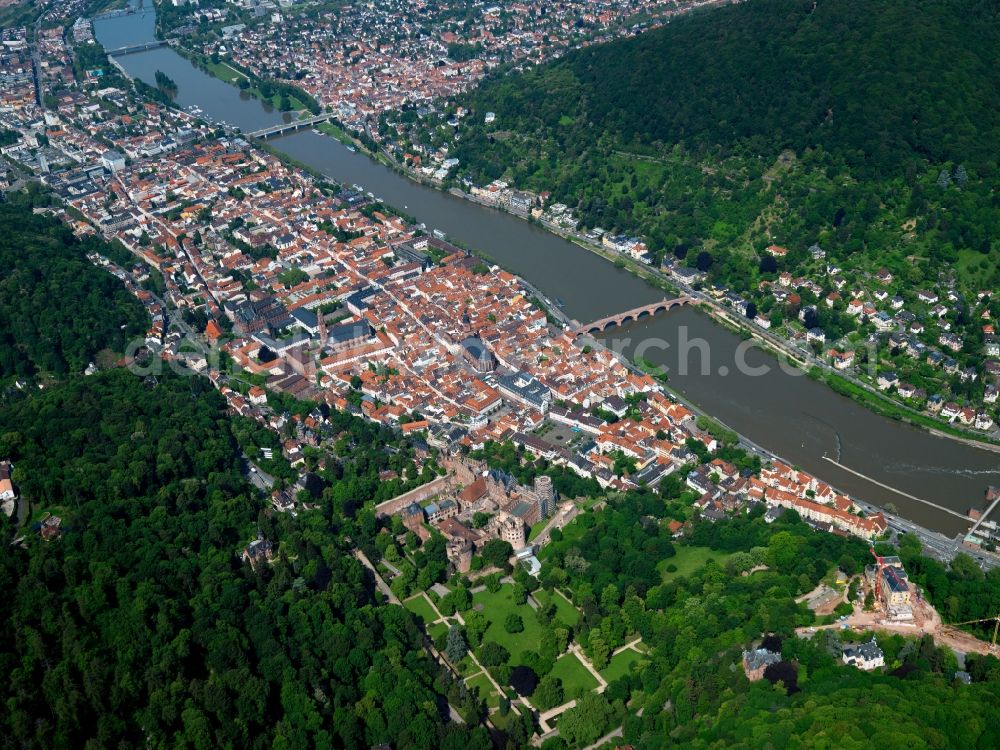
(566, 613)
(537, 529)
(972, 265)
(436, 630)
(335, 132)
(620, 665)
(502, 722)
(576, 678)
(689, 559)
(224, 71)
(419, 606)
(275, 101)
(44, 511)
(888, 407)
(496, 607)
(571, 533)
(467, 667)
(485, 688)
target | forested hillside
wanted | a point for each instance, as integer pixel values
(139, 626)
(57, 310)
(691, 689)
(877, 83)
(789, 121)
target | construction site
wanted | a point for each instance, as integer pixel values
(897, 607)
(984, 533)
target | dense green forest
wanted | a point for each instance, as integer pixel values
(867, 127)
(139, 626)
(57, 310)
(785, 74)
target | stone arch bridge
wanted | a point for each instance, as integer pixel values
(630, 316)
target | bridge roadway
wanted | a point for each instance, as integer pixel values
(288, 127)
(117, 14)
(137, 48)
(996, 501)
(629, 316)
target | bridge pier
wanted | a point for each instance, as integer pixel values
(630, 316)
(137, 48)
(115, 14)
(288, 127)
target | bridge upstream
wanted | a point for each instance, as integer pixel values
(137, 48)
(630, 316)
(119, 13)
(288, 127)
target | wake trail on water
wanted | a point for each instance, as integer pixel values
(836, 434)
(943, 470)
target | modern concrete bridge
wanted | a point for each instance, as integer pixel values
(288, 127)
(137, 48)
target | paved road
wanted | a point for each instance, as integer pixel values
(379, 581)
(35, 61)
(574, 648)
(257, 476)
(935, 544)
(392, 568)
(22, 510)
(606, 738)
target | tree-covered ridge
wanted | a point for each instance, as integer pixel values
(880, 83)
(139, 626)
(850, 710)
(57, 310)
(772, 121)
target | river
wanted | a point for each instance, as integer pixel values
(786, 413)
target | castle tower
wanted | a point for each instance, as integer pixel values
(460, 553)
(546, 494)
(511, 530)
(322, 331)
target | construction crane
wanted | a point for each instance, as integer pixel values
(996, 627)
